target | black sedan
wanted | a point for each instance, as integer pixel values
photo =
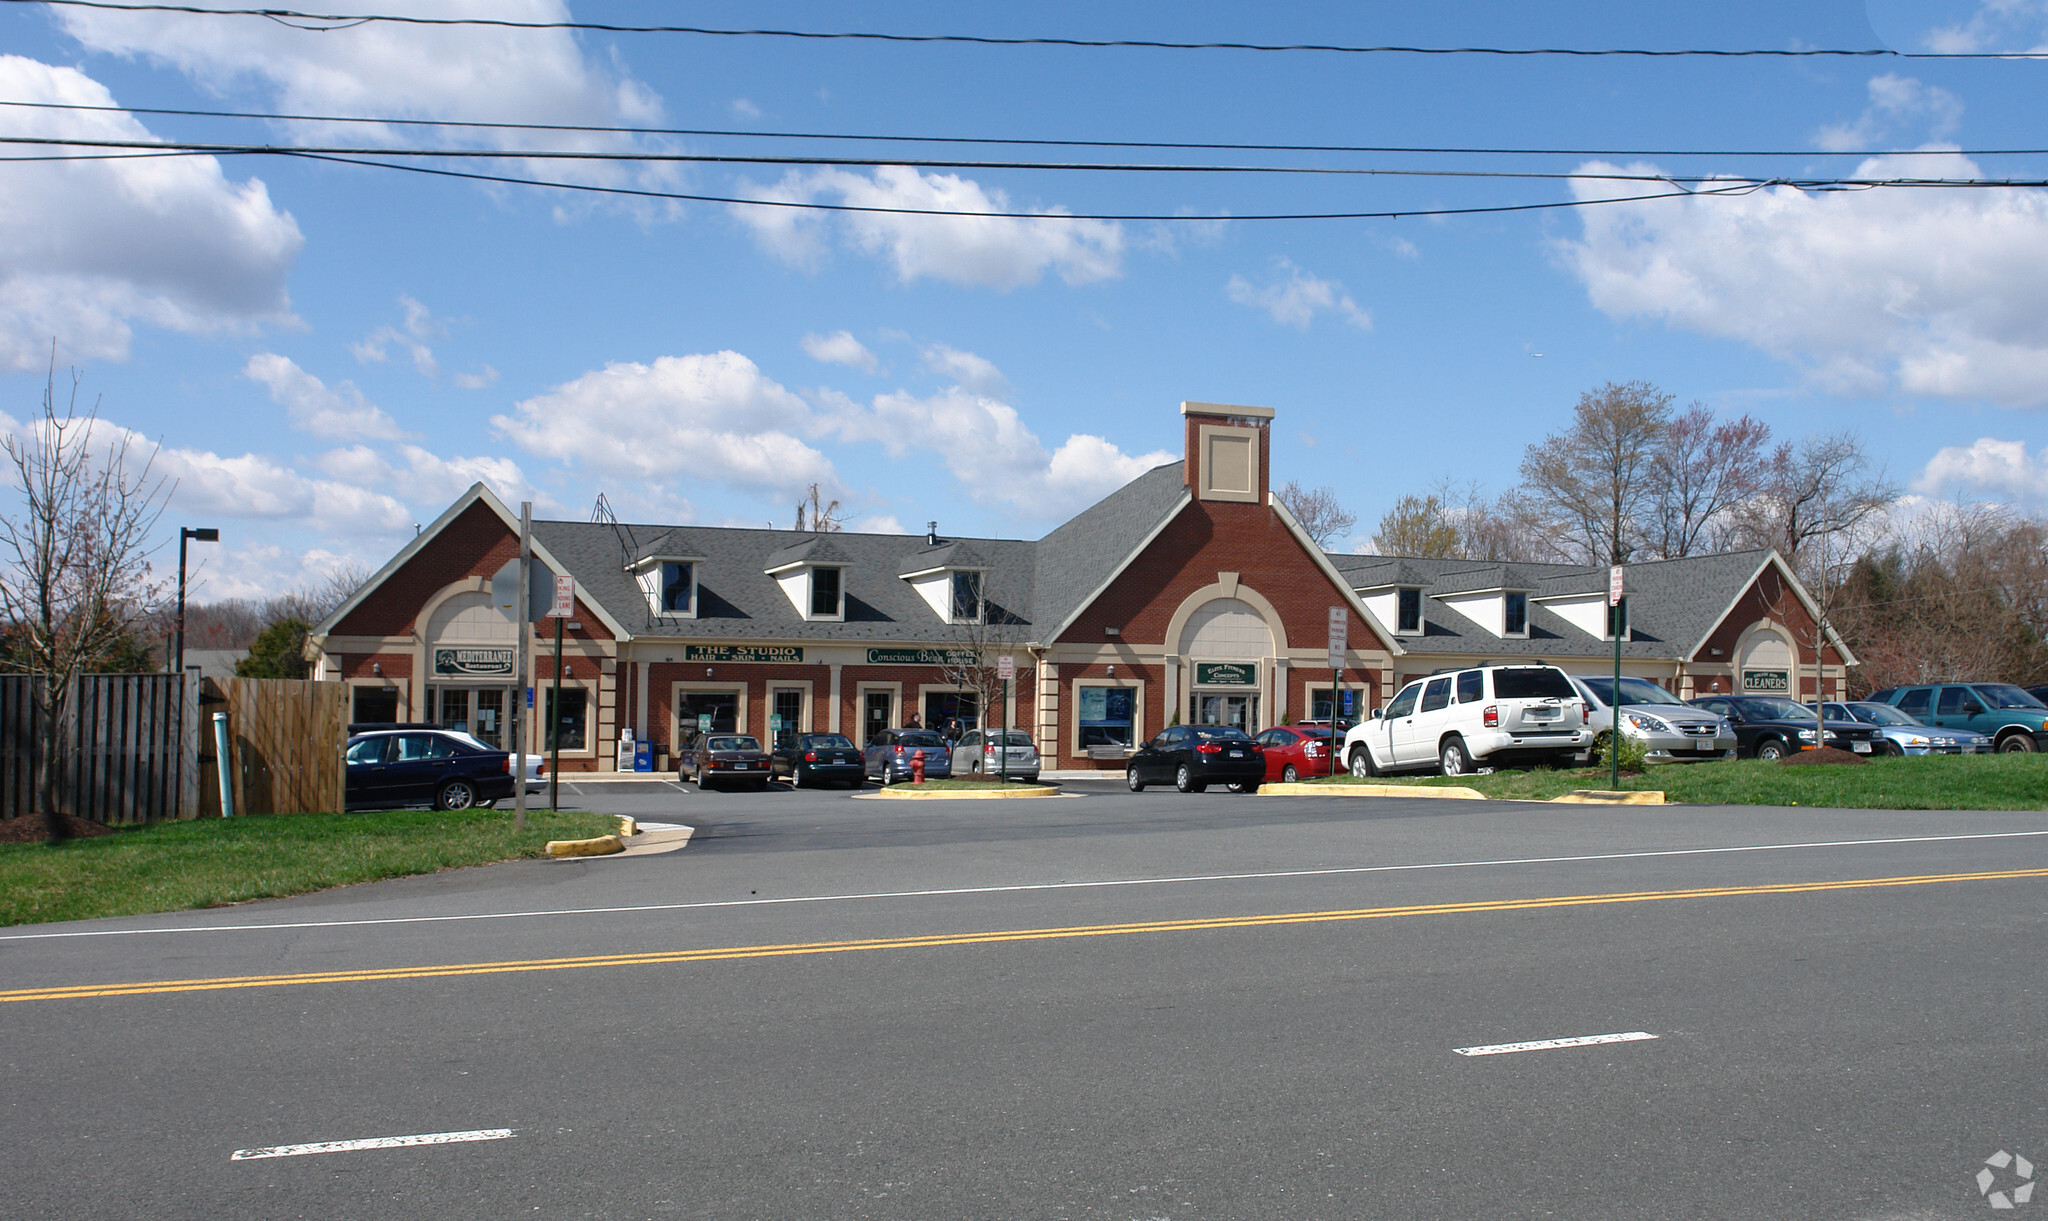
(818, 758)
(720, 759)
(444, 768)
(1193, 757)
(1771, 727)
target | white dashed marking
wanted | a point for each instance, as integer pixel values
(1583, 1040)
(374, 1142)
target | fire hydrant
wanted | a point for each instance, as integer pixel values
(917, 767)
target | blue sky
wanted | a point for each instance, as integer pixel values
(327, 354)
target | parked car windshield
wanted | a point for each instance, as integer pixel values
(1633, 691)
(1533, 682)
(1880, 714)
(2005, 695)
(1768, 708)
(733, 743)
(920, 737)
(1016, 737)
(827, 741)
(1220, 733)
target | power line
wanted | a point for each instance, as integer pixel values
(318, 22)
(1173, 145)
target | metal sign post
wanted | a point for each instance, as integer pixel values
(1614, 596)
(522, 617)
(1340, 631)
(1006, 669)
(565, 606)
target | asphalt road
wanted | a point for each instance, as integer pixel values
(1106, 1006)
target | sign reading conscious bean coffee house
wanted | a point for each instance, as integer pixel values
(920, 657)
(743, 652)
(1766, 680)
(1226, 674)
(473, 663)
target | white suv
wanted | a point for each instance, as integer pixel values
(1470, 718)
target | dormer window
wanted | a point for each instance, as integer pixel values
(670, 585)
(966, 597)
(1515, 615)
(827, 599)
(1409, 618)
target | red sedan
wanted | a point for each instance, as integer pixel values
(1296, 751)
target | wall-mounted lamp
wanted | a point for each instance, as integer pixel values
(1713, 652)
(1112, 631)
(1112, 671)
(377, 668)
(707, 671)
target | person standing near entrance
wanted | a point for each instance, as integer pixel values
(912, 722)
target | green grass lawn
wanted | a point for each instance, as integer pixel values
(1932, 782)
(176, 865)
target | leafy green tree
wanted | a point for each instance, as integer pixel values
(279, 651)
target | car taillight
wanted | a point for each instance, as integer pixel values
(541, 769)
(989, 749)
(1208, 748)
(1492, 716)
(810, 756)
(1585, 714)
(1312, 749)
(507, 769)
(899, 750)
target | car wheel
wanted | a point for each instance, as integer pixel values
(1290, 775)
(2017, 744)
(455, 795)
(1770, 750)
(1893, 749)
(1131, 778)
(1454, 759)
(1362, 765)
(1184, 780)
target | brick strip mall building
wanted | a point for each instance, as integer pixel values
(1189, 593)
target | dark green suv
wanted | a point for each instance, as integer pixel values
(2016, 720)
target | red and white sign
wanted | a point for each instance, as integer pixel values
(1006, 667)
(1340, 632)
(565, 599)
(1614, 586)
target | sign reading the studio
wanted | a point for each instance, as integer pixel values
(1226, 674)
(1773, 681)
(743, 652)
(473, 663)
(920, 657)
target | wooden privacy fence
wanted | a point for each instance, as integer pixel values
(287, 738)
(124, 753)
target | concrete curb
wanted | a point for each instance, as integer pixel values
(603, 845)
(905, 793)
(1611, 797)
(1370, 790)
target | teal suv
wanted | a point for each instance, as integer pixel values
(2009, 716)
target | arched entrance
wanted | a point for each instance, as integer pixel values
(471, 666)
(1225, 644)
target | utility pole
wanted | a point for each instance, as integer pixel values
(522, 615)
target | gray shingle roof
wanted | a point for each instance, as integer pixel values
(953, 554)
(1076, 560)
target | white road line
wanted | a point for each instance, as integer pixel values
(1583, 1040)
(1025, 887)
(374, 1142)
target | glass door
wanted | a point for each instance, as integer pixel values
(1237, 711)
(874, 715)
(490, 717)
(454, 708)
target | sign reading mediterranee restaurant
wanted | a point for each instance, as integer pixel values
(473, 663)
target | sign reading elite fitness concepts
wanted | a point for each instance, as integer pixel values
(1226, 674)
(920, 657)
(1775, 682)
(473, 663)
(743, 652)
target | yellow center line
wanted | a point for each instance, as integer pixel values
(726, 953)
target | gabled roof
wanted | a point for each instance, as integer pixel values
(951, 554)
(1077, 562)
(673, 544)
(818, 549)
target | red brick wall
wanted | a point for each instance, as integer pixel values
(1769, 595)
(1192, 438)
(397, 666)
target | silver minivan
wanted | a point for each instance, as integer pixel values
(1671, 730)
(975, 754)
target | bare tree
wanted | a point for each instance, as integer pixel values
(972, 660)
(1823, 487)
(1700, 472)
(824, 517)
(1321, 517)
(1595, 477)
(74, 562)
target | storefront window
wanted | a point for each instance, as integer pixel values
(946, 711)
(571, 727)
(376, 705)
(1107, 715)
(789, 706)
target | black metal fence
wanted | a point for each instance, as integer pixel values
(121, 752)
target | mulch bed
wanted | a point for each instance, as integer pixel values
(1826, 754)
(29, 829)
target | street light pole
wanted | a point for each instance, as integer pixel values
(205, 534)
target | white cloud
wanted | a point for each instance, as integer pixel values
(1896, 102)
(745, 109)
(1996, 25)
(341, 413)
(484, 376)
(240, 569)
(420, 326)
(884, 523)
(977, 250)
(710, 417)
(1926, 292)
(976, 373)
(87, 248)
(841, 348)
(402, 71)
(1295, 299)
(1989, 466)
(426, 478)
